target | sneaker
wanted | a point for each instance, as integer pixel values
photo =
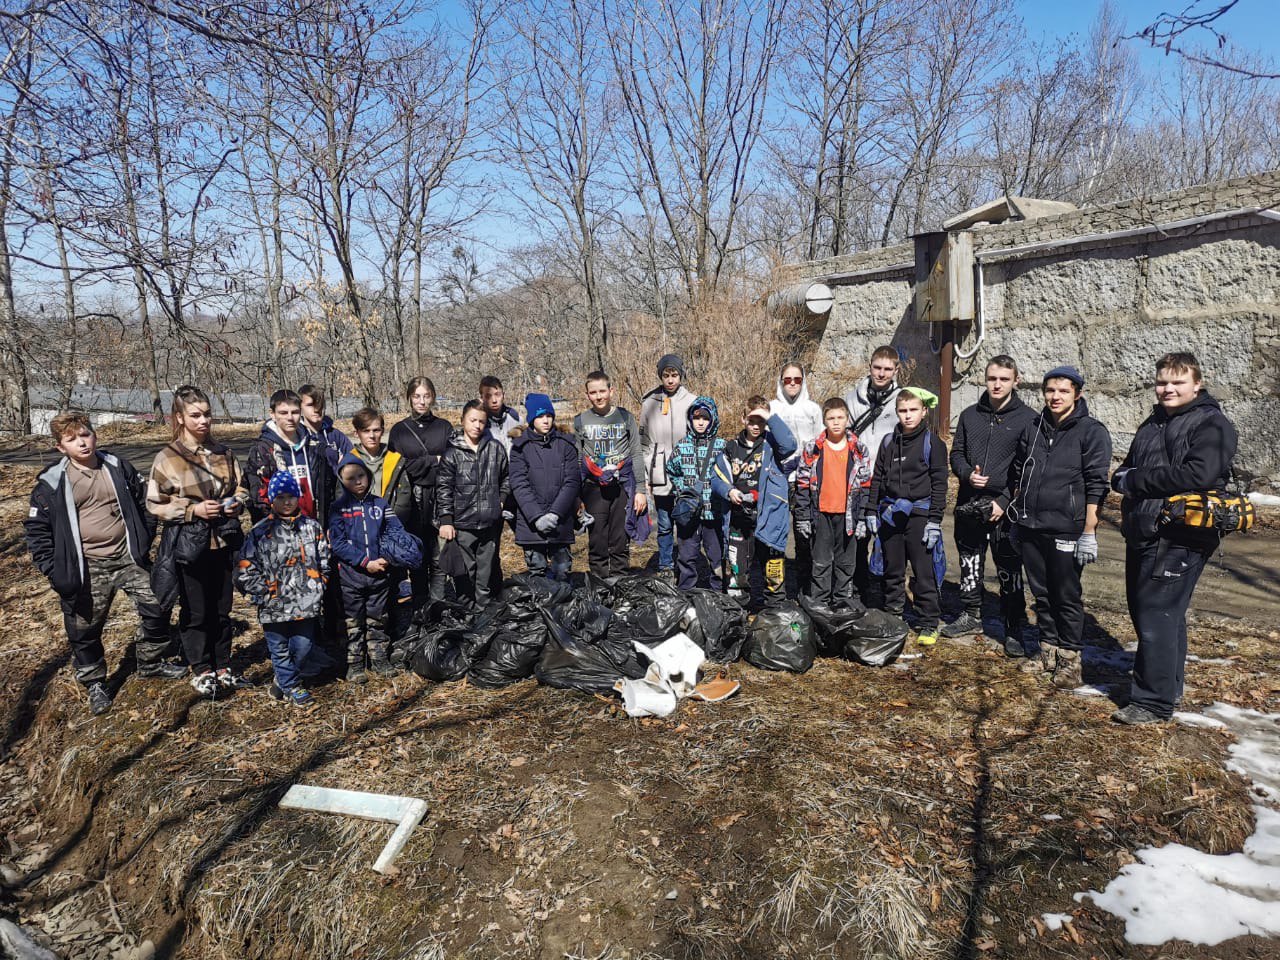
(1132, 715)
(382, 668)
(275, 693)
(99, 699)
(164, 670)
(1013, 645)
(1067, 674)
(206, 684)
(962, 626)
(356, 674)
(233, 681)
(300, 697)
(667, 575)
(927, 639)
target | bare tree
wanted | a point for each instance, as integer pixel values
(1169, 32)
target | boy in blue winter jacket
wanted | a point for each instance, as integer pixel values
(545, 482)
(751, 475)
(690, 468)
(283, 569)
(368, 541)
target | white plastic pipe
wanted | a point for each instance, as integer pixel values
(406, 812)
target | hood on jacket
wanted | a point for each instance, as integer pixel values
(348, 460)
(271, 432)
(801, 397)
(1015, 401)
(862, 389)
(707, 405)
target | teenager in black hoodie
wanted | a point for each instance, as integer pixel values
(907, 497)
(1058, 480)
(1185, 446)
(985, 442)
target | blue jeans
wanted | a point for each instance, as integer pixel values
(552, 561)
(294, 653)
(666, 531)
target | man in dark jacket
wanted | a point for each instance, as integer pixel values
(985, 442)
(1057, 482)
(284, 444)
(1185, 446)
(472, 487)
(545, 482)
(90, 534)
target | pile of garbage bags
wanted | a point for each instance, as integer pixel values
(596, 634)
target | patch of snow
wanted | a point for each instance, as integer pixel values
(1211, 661)
(1052, 816)
(1264, 500)
(1054, 921)
(1197, 720)
(1178, 893)
(1089, 690)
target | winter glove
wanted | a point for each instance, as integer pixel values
(873, 524)
(932, 534)
(583, 522)
(860, 531)
(508, 515)
(804, 528)
(1086, 549)
(546, 523)
(1119, 479)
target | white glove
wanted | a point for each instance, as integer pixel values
(1086, 549)
(546, 523)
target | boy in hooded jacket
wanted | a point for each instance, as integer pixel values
(751, 476)
(831, 488)
(904, 512)
(284, 444)
(283, 569)
(545, 480)
(372, 549)
(690, 470)
(471, 492)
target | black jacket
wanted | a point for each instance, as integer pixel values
(987, 438)
(1057, 471)
(1188, 450)
(421, 441)
(271, 452)
(546, 475)
(901, 472)
(472, 485)
(53, 530)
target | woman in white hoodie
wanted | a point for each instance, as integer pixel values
(804, 418)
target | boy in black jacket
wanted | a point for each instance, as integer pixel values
(89, 532)
(1058, 480)
(907, 497)
(470, 493)
(985, 442)
(1185, 446)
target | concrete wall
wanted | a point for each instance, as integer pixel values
(1110, 309)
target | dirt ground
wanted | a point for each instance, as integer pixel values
(935, 808)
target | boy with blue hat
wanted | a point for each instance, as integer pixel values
(546, 478)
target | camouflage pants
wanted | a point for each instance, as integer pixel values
(85, 616)
(367, 631)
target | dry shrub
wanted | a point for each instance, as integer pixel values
(731, 347)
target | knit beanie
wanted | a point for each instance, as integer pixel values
(669, 362)
(538, 405)
(283, 482)
(1066, 372)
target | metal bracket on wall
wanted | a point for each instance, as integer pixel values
(407, 812)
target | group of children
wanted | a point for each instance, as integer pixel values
(350, 538)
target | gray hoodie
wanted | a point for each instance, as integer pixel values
(664, 422)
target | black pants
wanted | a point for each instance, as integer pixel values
(972, 542)
(834, 558)
(483, 570)
(761, 567)
(608, 548)
(1158, 585)
(868, 587)
(903, 542)
(204, 613)
(1053, 575)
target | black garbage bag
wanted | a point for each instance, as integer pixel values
(876, 638)
(449, 648)
(585, 616)
(717, 623)
(831, 623)
(512, 655)
(528, 588)
(781, 638)
(645, 610)
(572, 662)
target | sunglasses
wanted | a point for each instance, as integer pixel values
(793, 381)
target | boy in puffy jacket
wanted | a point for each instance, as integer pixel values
(283, 569)
(545, 481)
(369, 542)
(690, 468)
(751, 474)
(472, 488)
